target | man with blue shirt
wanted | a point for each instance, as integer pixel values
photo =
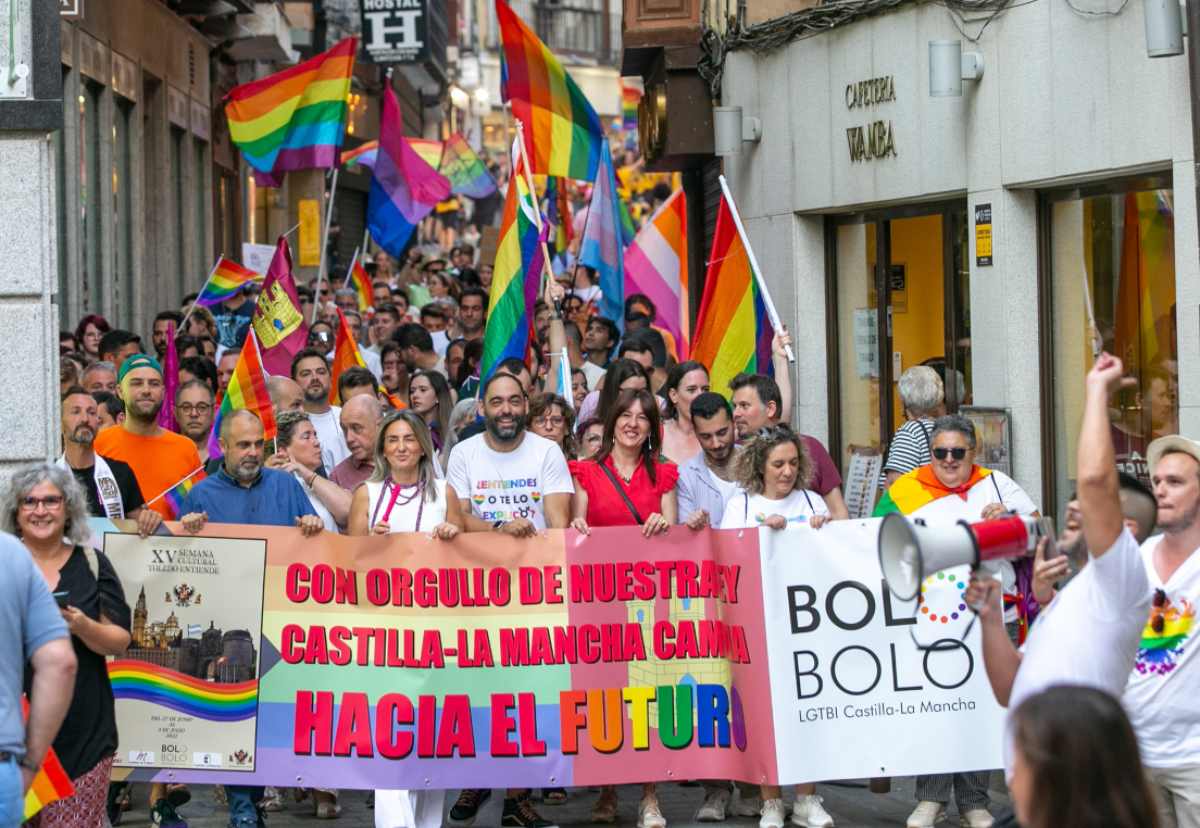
(243, 491)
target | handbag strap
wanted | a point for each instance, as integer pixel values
(621, 491)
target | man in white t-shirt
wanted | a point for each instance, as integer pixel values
(310, 369)
(512, 481)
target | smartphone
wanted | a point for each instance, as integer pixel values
(61, 598)
(1046, 530)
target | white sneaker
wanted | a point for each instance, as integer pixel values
(746, 806)
(774, 814)
(976, 818)
(926, 815)
(714, 807)
(649, 816)
(808, 813)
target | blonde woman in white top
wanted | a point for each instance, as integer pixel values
(404, 493)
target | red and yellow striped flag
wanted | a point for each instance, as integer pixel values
(51, 783)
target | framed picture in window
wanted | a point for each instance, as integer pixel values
(993, 431)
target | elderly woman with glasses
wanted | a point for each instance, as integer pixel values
(45, 507)
(950, 488)
(924, 400)
(550, 416)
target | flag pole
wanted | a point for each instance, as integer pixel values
(350, 269)
(192, 307)
(537, 213)
(762, 285)
(325, 240)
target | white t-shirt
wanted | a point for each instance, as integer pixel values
(1089, 633)
(329, 431)
(504, 485)
(1161, 697)
(748, 510)
(952, 508)
(405, 515)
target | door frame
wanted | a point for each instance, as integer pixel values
(954, 217)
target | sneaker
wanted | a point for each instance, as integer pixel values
(649, 815)
(774, 814)
(976, 818)
(808, 813)
(605, 810)
(714, 807)
(926, 814)
(271, 802)
(519, 813)
(163, 815)
(468, 803)
(746, 806)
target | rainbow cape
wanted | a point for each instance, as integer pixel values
(294, 119)
(564, 135)
(733, 331)
(247, 389)
(228, 277)
(920, 487)
(185, 694)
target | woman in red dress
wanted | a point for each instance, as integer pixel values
(626, 484)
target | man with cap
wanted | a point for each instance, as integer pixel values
(160, 459)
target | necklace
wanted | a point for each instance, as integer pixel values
(626, 477)
(398, 496)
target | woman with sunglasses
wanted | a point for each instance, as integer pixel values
(950, 488)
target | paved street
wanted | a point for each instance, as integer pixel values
(850, 803)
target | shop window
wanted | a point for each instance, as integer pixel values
(1112, 268)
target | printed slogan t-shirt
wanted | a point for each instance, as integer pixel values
(506, 485)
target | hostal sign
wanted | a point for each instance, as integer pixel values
(873, 140)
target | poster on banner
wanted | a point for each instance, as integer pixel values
(857, 677)
(395, 31)
(186, 690)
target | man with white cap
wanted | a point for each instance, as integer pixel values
(1165, 683)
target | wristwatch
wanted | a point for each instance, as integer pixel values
(497, 525)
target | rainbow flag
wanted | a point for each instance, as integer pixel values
(404, 188)
(358, 279)
(175, 495)
(920, 487)
(558, 213)
(603, 243)
(468, 174)
(362, 154)
(630, 97)
(184, 694)
(733, 331)
(563, 134)
(226, 279)
(345, 355)
(294, 119)
(51, 782)
(429, 150)
(247, 389)
(518, 268)
(656, 264)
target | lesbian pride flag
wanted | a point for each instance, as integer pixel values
(656, 264)
(404, 188)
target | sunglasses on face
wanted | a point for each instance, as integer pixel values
(1157, 621)
(956, 453)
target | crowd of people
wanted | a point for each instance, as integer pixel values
(420, 441)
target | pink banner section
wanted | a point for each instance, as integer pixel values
(403, 661)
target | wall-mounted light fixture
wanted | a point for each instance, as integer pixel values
(1164, 28)
(949, 66)
(731, 129)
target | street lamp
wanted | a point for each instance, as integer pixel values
(949, 66)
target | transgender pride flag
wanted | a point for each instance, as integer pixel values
(656, 264)
(404, 188)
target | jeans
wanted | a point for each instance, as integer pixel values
(12, 795)
(243, 806)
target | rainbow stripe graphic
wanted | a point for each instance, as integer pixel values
(142, 681)
(227, 278)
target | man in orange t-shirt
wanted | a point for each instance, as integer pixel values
(159, 458)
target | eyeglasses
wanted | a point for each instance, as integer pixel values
(551, 420)
(956, 453)
(1158, 620)
(49, 502)
(196, 408)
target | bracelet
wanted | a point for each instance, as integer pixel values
(29, 764)
(311, 480)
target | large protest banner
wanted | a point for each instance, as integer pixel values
(402, 661)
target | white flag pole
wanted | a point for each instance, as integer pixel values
(192, 307)
(762, 285)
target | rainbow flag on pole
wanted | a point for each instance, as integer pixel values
(358, 279)
(294, 119)
(247, 389)
(564, 134)
(656, 264)
(363, 154)
(227, 278)
(519, 264)
(174, 496)
(733, 331)
(345, 355)
(467, 173)
(404, 188)
(51, 782)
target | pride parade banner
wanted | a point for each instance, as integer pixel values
(559, 660)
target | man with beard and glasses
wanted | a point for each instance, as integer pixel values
(512, 481)
(310, 369)
(111, 487)
(242, 491)
(706, 481)
(159, 458)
